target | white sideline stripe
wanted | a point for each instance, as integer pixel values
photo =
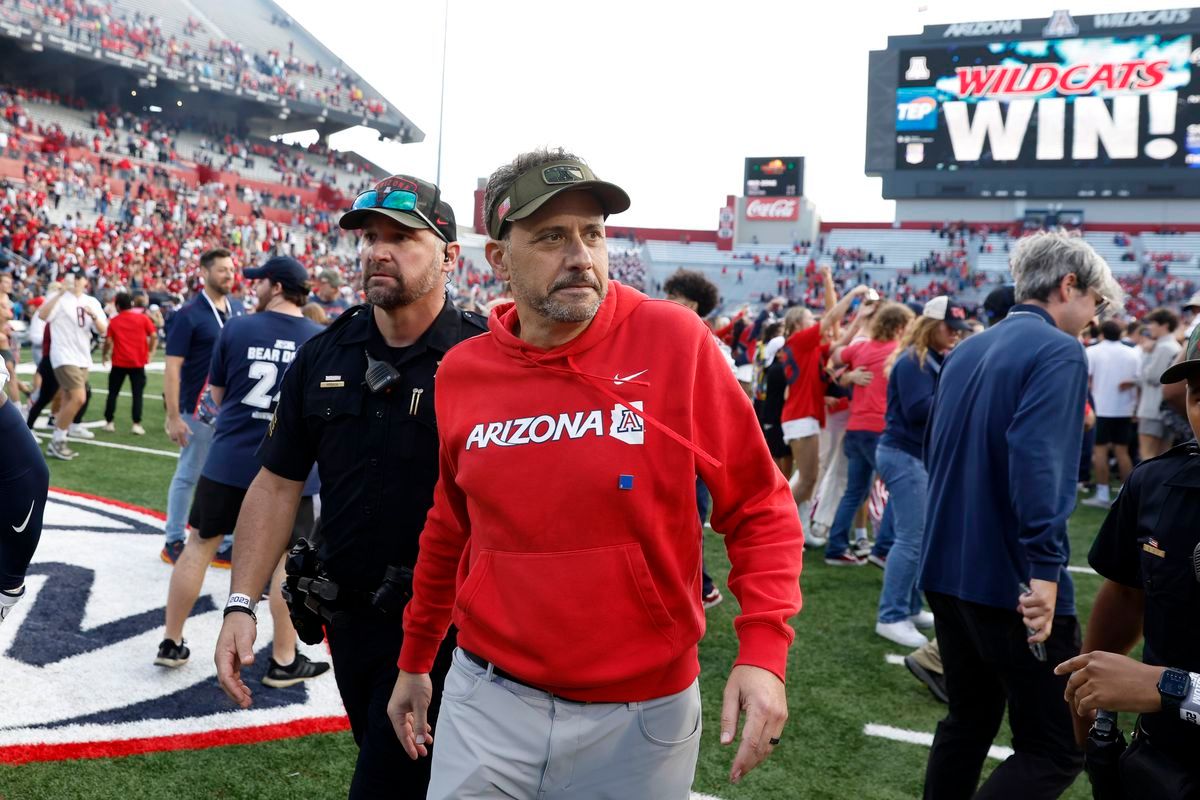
(114, 446)
(926, 739)
(28, 368)
(1083, 570)
(892, 658)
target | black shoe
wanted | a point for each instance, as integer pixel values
(171, 654)
(301, 669)
(935, 681)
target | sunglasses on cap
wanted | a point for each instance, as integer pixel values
(395, 200)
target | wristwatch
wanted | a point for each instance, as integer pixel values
(1173, 688)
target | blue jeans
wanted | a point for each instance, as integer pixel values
(191, 461)
(859, 449)
(907, 482)
(703, 499)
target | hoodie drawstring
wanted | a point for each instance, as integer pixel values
(602, 383)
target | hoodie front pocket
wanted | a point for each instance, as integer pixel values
(575, 619)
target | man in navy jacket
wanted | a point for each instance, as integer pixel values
(1002, 451)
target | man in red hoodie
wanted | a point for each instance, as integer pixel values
(562, 538)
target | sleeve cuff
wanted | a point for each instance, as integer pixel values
(418, 653)
(1045, 572)
(764, 646)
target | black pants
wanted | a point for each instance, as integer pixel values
(116, 380)
(24, 482)
(988, 667)
(365, 647)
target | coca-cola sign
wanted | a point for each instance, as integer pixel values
(773, 209)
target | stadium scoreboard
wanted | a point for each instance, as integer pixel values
(776, 176)
(1089, 106)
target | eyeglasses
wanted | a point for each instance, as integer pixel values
(1100, 300)
(395, 200)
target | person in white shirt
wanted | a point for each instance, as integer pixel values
(72, 315)
(1160, 354)
(1114, 370)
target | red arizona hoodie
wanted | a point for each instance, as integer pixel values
(563, 537)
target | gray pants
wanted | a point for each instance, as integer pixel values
(497, 738)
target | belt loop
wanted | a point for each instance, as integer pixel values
(491, 671)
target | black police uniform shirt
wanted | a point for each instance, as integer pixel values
(376, 453)
(1146, 542)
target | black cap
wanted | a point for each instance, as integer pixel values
(998, 303)
(1191, 361)
(428, 210)
(284, 270)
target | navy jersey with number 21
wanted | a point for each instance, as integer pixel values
(249, 361)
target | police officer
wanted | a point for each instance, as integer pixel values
(1148, 551)
(358, 400)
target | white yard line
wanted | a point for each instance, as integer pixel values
(1082, 570)
(28, 368)
(115, 446)
(918, 737)
(892, 658)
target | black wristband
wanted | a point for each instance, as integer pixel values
(241, 610)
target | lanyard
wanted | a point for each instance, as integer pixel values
(212, 307)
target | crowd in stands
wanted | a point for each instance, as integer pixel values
(132, 33)
(626, 266)
(127, 137)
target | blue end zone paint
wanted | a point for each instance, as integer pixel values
(53, 630)
(203, 698)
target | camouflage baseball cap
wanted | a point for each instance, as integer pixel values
(1182, 370)
(533, 188)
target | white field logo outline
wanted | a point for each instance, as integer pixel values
(117, 549)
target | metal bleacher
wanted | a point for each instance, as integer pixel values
(1181, 244)
(900, 249)
(250, 24)
(1104, 243)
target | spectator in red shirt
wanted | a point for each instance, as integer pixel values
(803, 414)
(132, 339)
(867, 409)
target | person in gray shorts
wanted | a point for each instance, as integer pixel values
(562, 538)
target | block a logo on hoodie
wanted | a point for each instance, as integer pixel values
(624, 425)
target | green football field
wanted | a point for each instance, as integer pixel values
(839, 681)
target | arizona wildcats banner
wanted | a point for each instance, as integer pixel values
(77, 653)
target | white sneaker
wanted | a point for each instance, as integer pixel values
(923, 620)
(110, 427)
(8, 600)
(60, 450)
(138, 430)
(902, 633)
(80, 432)
(816, 536)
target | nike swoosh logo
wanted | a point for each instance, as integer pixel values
(26, 522)
(618, 380)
